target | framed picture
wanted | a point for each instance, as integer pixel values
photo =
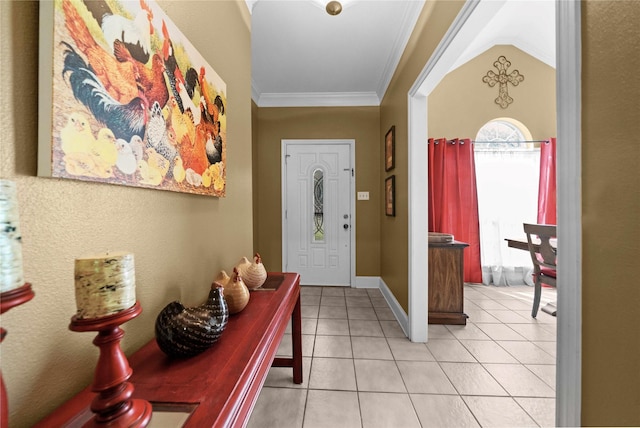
(390, 149)
(126, 99)
(390, 196)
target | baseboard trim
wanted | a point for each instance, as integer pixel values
(395, 307)
(367, 282)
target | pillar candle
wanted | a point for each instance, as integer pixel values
(105, 284)
(11, 275)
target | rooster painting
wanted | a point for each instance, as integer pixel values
(125, 120)
(118, 78)
(134, 33)
(134, 103)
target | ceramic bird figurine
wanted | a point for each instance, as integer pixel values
(254, 274)
(223, 278)
(236, 293)
(186, 332)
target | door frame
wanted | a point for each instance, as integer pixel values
(352, 202)
(568, 102)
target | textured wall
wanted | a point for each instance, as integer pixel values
(462, 103)
(180, 241)
(435, 19)
(358, 123)
(610, 212)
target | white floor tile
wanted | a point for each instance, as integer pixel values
(309, 311)
(332, 373)
(383, 410)
(527, 352)
(449, 350)
(438, 411)
(332, 301)
(437, 331)
(392, 329)
(278, 407)
(519, 381)
(332, 327)
(534, 332)
(498, 412)
(374, 348)
(338, 409)
(378, 376)
(472, 379)
(333, 346)
(283, 376)
(546, 372)
(361, 313)
(469, 331)
(500, 332)
(359, 302)
(488, 351)
(307, 290)
(542, 410)
(405, 350)
(365, 328)
(425, 377)
(498, 370)
(334, 312)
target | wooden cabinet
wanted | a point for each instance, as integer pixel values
(446, 283)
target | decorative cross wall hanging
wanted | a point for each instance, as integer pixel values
(502, 78)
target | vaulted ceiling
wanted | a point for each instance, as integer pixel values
(302, 56)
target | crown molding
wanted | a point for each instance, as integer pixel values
(316, 99)
(411, 15)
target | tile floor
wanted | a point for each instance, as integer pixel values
(361, 371)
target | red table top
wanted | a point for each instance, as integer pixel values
(223, 382)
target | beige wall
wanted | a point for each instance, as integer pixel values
(462, 103)
(180, 241)
(610, 213)
(611, 201)
(435, 19)
(358, 123)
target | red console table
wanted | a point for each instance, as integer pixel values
(219, 387)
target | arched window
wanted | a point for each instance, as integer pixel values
(503, 134)
(507, 173)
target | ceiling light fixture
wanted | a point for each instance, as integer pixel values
(334, 8)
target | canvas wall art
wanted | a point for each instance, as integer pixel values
(126, 99)
(390, 149)
(390, 196)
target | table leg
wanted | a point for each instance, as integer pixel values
(296, 339)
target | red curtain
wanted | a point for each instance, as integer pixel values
(453, 198)
(547, 184)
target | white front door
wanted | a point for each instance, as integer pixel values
(317, 212)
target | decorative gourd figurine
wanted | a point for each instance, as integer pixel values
(236, 293)
(185, 332)
(254, 274)
(223, 279)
